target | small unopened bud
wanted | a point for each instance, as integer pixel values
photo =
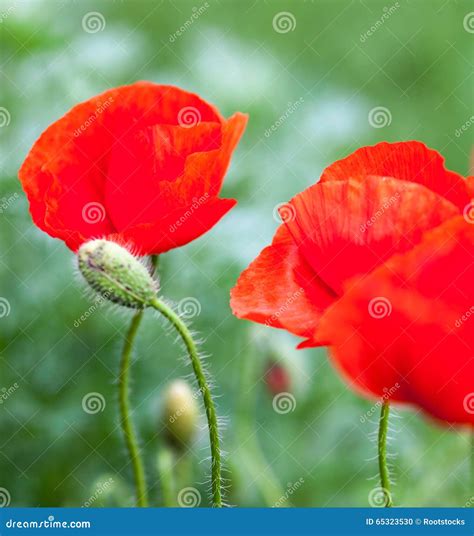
(116, 274)
(277, 378)
(180, 413)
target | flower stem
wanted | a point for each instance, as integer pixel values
(126, 422)
(471, 455)
(382, 451)
(184, 333)
(124, 390)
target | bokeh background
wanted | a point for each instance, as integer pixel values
(329, 76)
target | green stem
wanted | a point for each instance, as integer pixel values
(471, 456)
(183, 331)
(165, 464)
(126, 422)
(382, 450)
(124, 390)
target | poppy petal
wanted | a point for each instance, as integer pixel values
(345, 228)
(177, 228)
(403, 332)
(278, 289)
(409, 161)
(67, 167)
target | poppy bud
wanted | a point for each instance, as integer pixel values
(277, 378)
(180, 413)
(116, 274)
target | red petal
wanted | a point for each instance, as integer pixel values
(67, 167)
(409, 161)
(177, 228)
(405, 331)
(279, 289)
(345, 228)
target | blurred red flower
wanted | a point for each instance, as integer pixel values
(360, 247)
(141, 164)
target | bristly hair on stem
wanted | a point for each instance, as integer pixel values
(212, 421)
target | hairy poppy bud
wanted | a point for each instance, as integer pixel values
(180, 413)
(116, 274)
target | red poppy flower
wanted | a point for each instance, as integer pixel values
(405, 331)
(141, 164)
(367, 208)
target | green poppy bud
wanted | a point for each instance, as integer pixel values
(116, 274)
(180, 413)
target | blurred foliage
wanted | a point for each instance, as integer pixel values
(417, 64)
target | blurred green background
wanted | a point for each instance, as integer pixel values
(337, 60)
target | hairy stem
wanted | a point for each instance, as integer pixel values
(126, 422)
(185, 335)
(382, 451)
(124, 402)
